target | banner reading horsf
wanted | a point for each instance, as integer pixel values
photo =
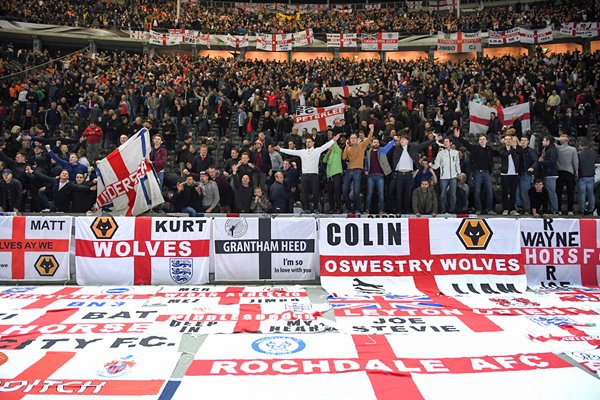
(142, 251)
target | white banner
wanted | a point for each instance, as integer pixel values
(127, 184)
(442, 5)
(274, 42)
(581, 29)
(461, 256)
(560, 253)
(379, 41)
(460, 42)
(165, 39)
(142, 251)
(265, 249)
(237, 42)
(35, 248)
(346, 91)
(479, 116)
(504, 37)
(381, 367)
(318, 117)
(120, 374)
(304, 38)
(342, 40)
(536, 36)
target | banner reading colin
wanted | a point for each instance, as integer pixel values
(265, 249)
(561, 252)
(142, 251)
(452, 256)
(35, 248)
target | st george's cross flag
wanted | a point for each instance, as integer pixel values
(318, 117)
(350, 90)
(127, 184)
(479, 116)
(382, 367)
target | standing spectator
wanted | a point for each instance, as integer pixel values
(222, 117)
(52, 119)
(59, 191)
(494, 127)
(11, 193)
(242, 119)
(201, 162)
(568, 167)
(276, 159)
(568, 122)
(291, 177)
(279, 195)
(509, 173)
(549, 159)
(482, 164)
(73, 166)
(448, 162)
(404, 161)
(158, 158)
(262, 160)
(462, 194)
(424, 200)
(581, 122)
(242, 191)
(377, 166)
(333, 172)
(354, 153)
(585, 183)
(529, 166)
(210, 193)
(310, 171)
(92, 137)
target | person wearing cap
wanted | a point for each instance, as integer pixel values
(210, 193)
(11, 192)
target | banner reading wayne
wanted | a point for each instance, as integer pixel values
(452, 256)
(283, 249)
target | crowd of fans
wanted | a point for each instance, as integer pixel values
(224, 137)
(161, 14)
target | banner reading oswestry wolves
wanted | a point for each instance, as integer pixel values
(142, 251)
(35, 248)
(127, 184)
(458, 256)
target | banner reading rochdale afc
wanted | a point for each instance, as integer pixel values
(265, 249)
(142, 250)
(35, 248)
(452, 256)
(561, 252)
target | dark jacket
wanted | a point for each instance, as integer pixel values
(549, 165)
(413, 152)
(481, 158)
(189, 197)
(517, 155)
(279, 198)
(243, 195)
(11, 195)
(529, 159)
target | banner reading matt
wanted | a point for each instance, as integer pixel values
(35, 248)
(561, 252)
(265, 249)
(400, 256)
(142, 250)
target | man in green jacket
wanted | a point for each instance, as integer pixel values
(334, 171)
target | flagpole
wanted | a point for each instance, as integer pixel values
(178, 9)
(457, 8)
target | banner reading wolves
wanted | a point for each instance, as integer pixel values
(127, 184)
(561, 252)
(35, 248)
(382, 367)
(265, 249)
(479, 116)
(317, 117)
(142, 251)
(452, 256)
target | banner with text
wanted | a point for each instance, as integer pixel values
(35, 248)
(265, 249)
(561, 252)
(142, 251)
(317, 117)
(452, 256)
(459, 42)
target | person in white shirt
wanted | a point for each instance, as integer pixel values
(448, 162)
(310, 157)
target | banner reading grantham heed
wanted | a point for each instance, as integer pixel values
(452, 256)
(283, 249)
(142, 251)
(35, 248)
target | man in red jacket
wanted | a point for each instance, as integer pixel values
(158, 158)
(92, 136)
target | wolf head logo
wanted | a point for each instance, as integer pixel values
(475, 234)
